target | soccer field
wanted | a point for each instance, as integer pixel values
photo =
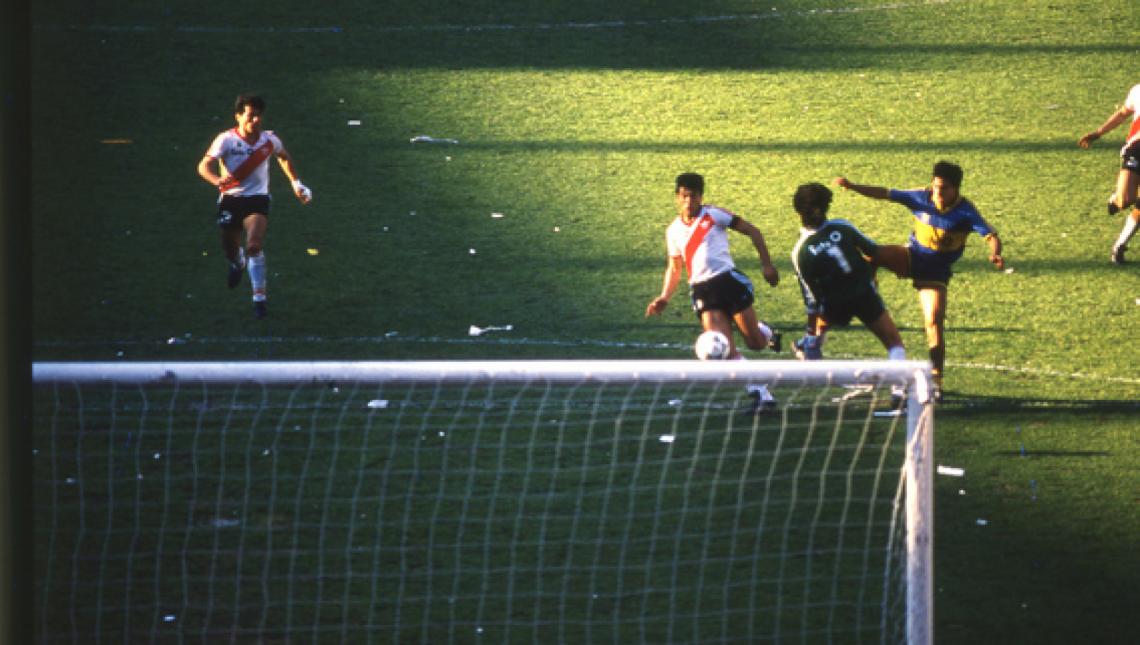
(543, 200)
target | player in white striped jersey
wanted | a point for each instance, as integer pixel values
(237, 164)
(697, 243)
(1128, 179)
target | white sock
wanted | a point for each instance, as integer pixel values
(765, 329)
(257, 272)
(1127, 232)
(896, 353)
(240, 263)
(761, 390)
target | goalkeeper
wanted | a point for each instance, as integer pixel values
(831, 262)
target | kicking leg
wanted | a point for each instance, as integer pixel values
(1127, 183)
(716, 320)
(757, 335)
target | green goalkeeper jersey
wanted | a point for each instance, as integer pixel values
(831, 263)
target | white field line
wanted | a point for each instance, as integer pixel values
(523, 342)
(774, 14)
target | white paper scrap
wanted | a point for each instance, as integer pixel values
(951, 471)
(479, 331)
(378, 404)
(666, 438)
(423, 138)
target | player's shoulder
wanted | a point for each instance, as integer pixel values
(223, 141)
(966, 206)
(719, 214)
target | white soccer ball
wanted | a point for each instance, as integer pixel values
(712, 346)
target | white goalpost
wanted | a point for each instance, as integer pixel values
(483, 501)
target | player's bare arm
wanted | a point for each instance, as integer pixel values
(874, 192)
(206, 171)
(668, 287)
(1118, 117)
(741, 225)
(996, 257)
(285, 160)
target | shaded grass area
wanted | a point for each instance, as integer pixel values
(536, 512)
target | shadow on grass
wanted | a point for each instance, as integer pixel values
(954, 406)
(734, 147)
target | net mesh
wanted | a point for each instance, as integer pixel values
(443, 511)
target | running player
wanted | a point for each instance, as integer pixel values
(697, 243)
(943, 220)
(236, 163)
(1128, 179)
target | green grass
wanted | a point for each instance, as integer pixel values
(583, 129)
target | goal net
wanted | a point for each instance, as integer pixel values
(458, 502)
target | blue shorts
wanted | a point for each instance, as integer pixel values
(730, 292)
(929, 269)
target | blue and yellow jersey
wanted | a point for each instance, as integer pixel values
(941, 232)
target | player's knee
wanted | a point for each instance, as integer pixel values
(253, 249)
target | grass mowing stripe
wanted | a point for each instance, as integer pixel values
(775, 14)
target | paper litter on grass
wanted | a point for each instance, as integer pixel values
(479, 331)
(423, 138)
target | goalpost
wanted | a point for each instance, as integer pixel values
(482, 501)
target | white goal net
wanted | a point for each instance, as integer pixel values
(466, 502)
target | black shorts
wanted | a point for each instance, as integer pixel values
(1130, 157)
(730, 292)
(233, 209)
(867, 309)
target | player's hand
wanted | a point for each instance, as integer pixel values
(997, 260)
(302, 192)
(1086, 140)
(771, 275)
(842, 182)
(656, 306)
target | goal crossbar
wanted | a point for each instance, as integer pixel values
(556, 371)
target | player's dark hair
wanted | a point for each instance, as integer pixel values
(691, 180)
(950, 173)
(252, 100)
(812, 202)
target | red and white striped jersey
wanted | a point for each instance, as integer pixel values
(233, 151)
(1133, 102)
(702, 243)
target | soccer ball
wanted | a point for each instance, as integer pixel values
(712, 346)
